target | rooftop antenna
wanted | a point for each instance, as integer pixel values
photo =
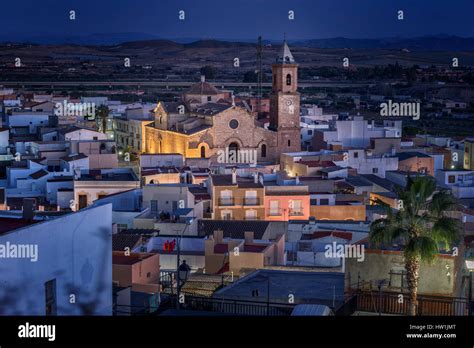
(259, 76)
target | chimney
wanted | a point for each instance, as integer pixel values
(394, 151)
(297, 180)
(373, 123)
(233, 100)
(29, 205)
(77, 173)
(234, 176)
(203, 78)
(255, 178)
(248, 237)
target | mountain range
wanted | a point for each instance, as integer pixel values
(439, 42)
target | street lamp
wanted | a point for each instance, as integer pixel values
(182, 269)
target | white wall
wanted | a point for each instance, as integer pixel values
(24, 120)
(85, 134)
(4, 134)
(76, 250)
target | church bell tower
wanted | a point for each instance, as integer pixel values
(285, 101)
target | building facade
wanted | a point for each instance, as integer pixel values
(207, 120)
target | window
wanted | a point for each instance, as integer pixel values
(226, 215)
(148, 275)
(209, 98)
(275, 208)
(250, 214)
(356, 155)
(313, 202)
(203, 152)
(95, 138)
(296, 207)
(288, 79)
(310, 132)
(82, 201)
(226, 198)
(289, 142)
(451, 179)
(233, 124)
(251, 198)
(263, 150)
(50, 297)
(324, 201)
(154, 206)
(375, 170)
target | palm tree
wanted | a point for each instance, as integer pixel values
(421, 226)
(102, 112)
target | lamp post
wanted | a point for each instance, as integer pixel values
(183, 268)
(381, 283)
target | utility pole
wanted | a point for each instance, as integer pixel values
(259, 75)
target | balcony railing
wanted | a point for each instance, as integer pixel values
(296, 212)
(275, 212)
(252, 201)
(389, 303)
(226, 201)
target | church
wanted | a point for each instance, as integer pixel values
(208, 121)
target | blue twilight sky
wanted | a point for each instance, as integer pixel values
(238, 19)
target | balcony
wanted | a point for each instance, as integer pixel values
(229, 201)
(275, 212)
(252, 201)
(296, 212)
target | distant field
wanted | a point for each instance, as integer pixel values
(158, 59)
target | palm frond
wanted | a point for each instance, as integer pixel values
(441, 202)
(446, 231)
(423, 246)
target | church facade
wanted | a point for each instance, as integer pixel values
(207, 121)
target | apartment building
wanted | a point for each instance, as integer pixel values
(284, 203)
(226, 255)
(90, 185)
(237, 198)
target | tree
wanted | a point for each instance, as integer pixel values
(421, 226)
(209, 72)
(102, 112)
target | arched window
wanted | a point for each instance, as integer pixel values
(263, 150)
(289, 142)
(288, 80)
(203, 152)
